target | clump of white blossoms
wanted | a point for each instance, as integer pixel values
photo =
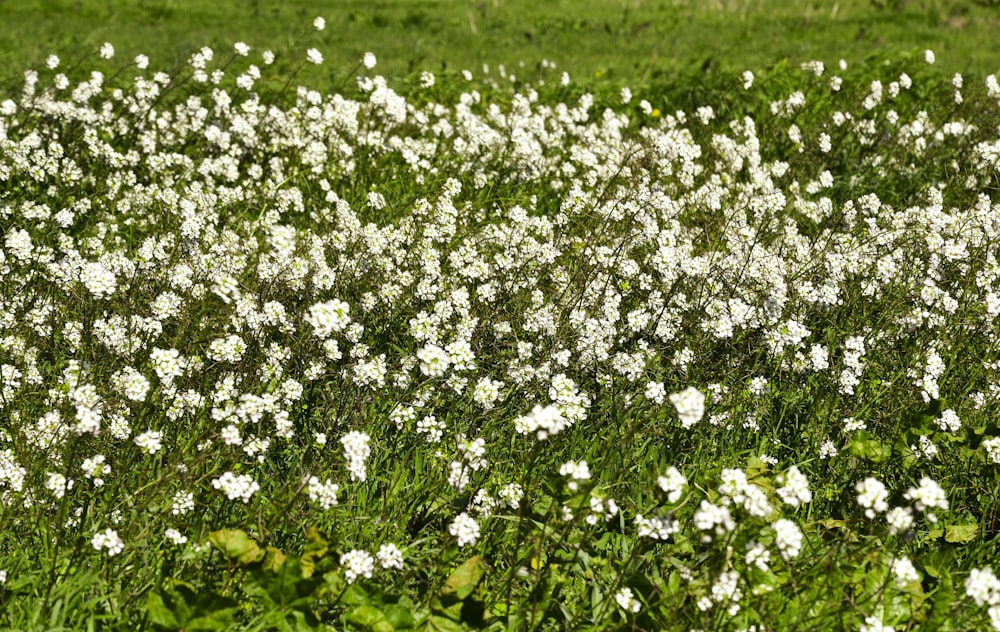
(465, 528)
(323, 493)
(98, 280)
(927, 495)
(356, 451)
(794, 488)
(357, 563)
(434, 361)
(872, 496)
(236, 487)
(150, 441)
(544, 421)
(690, 405)
(672, 483)
(108, 541)
(328, 318)
(788, 538)
(575, 471)
(389, 556)
(626, 600)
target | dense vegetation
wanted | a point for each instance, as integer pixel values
(478, 351)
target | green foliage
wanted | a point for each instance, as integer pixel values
(569, 554)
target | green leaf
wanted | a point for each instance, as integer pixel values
(160, 613)
(182, 607)
(315, 550)
(369, 618)
(400, 615)
(273, 559)
(236, 544)
(463, 581)
(356, 595)
(960, 533)
(283, 588)
(435, 623)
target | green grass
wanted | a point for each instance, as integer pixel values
(614, 237)
(630, 41)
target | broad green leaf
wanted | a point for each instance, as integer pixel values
(356, 595)
(435, 623)
(315, 550)
(283, 588)
(960, 533)
(236, 544)
(161, 613)
(400, 615)
(465, 578)
(369, 618)
(183, 608)
(448, 606)
(274, 559)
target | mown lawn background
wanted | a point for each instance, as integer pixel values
(533, 568)
(633, 41)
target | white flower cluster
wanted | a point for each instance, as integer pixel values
(690, 405)
(465, 529)
(236, 487)
(356, 452)
(323, 493)
(108, 541)
(357, 563)
(543, 421)
(328, 318)
(983, 587)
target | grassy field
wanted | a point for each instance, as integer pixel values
(688, 327)
(623, 40)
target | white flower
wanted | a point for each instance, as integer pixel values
(465, 528)
(672, 483)
(98, 280)
(322, 493)
(796, 487)
(655, 392)
(329, 317)
(872, 495)
(359, 563)
(356, 451)
(389, 556)
(313, 56)
(236, 487)
(175, 536)
(576, 471)
(150, 441)
(788, 538)
(319, 23)
(107, 51)
(183, 502)
(929, 56)
(904, 571)
(928, 495)
(627, 601)
(874, 624)
(369, 60)
(690, 405)
(992, 447)
(983, 587)
(108, 541)
(434, 361)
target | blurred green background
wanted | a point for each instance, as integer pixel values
(631, 40)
